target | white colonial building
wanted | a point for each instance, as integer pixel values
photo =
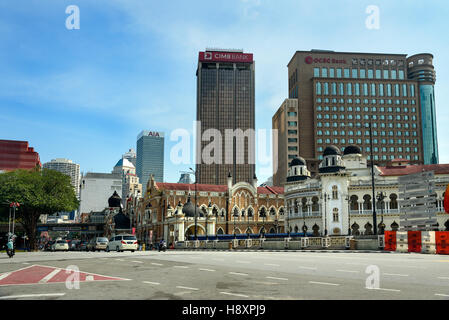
(339, 200)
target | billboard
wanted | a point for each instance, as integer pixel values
(217, 56)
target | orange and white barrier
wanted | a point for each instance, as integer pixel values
(431, 242)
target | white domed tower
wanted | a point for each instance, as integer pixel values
(353, 158)
(332, 161)
(297, 170)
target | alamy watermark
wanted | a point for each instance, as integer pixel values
(73, 20)
(373, 20)
(373, 280)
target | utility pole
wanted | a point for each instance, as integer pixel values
(372, 179)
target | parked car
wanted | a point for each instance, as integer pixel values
(98, 243)
(82, 246)
(122, 242)
(73, 245)
(60, 245)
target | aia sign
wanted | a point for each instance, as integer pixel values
(153, 134)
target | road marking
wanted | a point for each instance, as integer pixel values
(149, 282)
(274, 278)
(235, 294)
(396, 274)
(308, 268)
(25, 263)
(272, 264)
(119, 259)
(443, 260)
(239, 261)
(187, 288)
(49, 276)
(182, 267)
(352, 271)
(442, 295)
(383, 289)
(238, 273)
(34, 295)
(355, 263)
(3, 276)
(137, 261)
(324, 283)
(218, 259)
(156, 264)
(210, 270)
(444, 278)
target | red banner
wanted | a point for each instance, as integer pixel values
(216, 56)
(414, 241)
(390, 241)
(446, 200)
(442, 242)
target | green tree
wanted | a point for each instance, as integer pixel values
(38, 192)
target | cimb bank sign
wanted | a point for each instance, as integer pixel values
(216, 56)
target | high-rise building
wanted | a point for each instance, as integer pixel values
(185, 178)
(225, 100)
(285, 122)
(17, 155)
(130, 156)
(340, 93)
(67, 167)
(150, 156)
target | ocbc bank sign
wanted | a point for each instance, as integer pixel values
(310, 60)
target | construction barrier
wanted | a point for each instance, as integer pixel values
(414, 241)
(286, 242)
(381, 241)
(428, 242)
(442, 242)
(401, 241)
(390, 241)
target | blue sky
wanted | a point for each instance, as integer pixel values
(86, 94)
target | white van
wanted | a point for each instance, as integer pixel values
(122, 242)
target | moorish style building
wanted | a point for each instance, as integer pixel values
(168, 210)
(338, 200)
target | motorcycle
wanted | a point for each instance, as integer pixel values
(10, 252)
(162, 247)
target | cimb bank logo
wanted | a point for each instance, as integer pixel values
(207, 55)
(309, 60)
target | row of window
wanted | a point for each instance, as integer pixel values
(375, 141)
(385, 157)
(347, 73)
(374, 133)
(365, 89)
(365, 101)
(366, 117)
(366, 109)
(377, 62)
(377, 149)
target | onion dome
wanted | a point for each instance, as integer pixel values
(189, 209)
(298, 161)
(331, 151)
(394, 225)
(114, 201)
(352, 150)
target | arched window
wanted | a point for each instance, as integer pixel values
(296, 229)
(354, 204)
(236, 212)
(334, 192)
(220, 231)
(281, 211)
(304, 204)
(315, 204)
(215, 211)
(367, 202)
(250, 212)
(272, 211)
(335, 214)
(393, 201)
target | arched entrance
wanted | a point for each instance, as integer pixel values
(191, 231)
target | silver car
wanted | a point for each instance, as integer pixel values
(98, 243)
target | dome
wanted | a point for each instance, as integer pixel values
(124, 163)
(114, 201)
(352, 150)
(189, 209)
(331, 151)
(298, 161)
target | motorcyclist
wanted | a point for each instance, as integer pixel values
(162, 245)
(10, 247)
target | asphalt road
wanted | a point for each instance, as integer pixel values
(223, 275)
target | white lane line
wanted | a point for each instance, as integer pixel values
(351, 271)
(3, 276)
(442, 295)
(49, 276)
(119, 259)
(210, 270)
(238, 273)
(218, 259)
(187, 288)
(383, 289)
(135, 261)
(272, 264)
(355, 263)
(181, 267)
(33, 295)
(149, 282)
(239, 261)
(324, 283)
(274, 278)
(395, 274)
(156, 264)
(444, 278)
(25, 263)
(235, 294)
(307, 268)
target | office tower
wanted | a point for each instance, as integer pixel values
(185, 178)
(17, 155)
(340, 93)
(67, 167)
(150, 157)
(420, 68)
(130, 156)
(225, 100)
(285, 121)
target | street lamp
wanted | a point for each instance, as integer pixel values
(326, 197)
(349, 214)
(380, 197)
(209, 212)
(263, 214)
(234, 215)
(372, 178)
(196, 213)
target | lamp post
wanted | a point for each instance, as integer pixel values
(196, 213)
(372, 178)
(326, 197)
(380, 197)
(288, 219)
(262, 213)
(209, 212)
(234, 215)
(349, 214)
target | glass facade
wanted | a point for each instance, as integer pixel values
(150, 158)
(429, 128)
